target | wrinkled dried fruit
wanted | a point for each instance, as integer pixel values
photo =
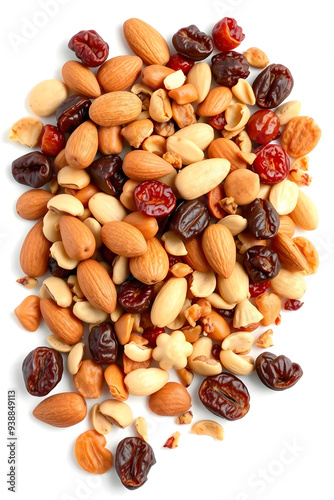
(103, 344)
(89, 47)
(225, 395)
(193, 43)
(272, 86)
(91, 453)
(189, 219)
(32, 169)
(134, 458)
(42, 369)
(261, 263)
(228, 67)
(277, 372)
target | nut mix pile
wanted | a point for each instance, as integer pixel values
(173, 255)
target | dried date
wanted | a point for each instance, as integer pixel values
(32, 169)
(42, 369)
(277, 372)
(193, 43)
(263, 219)
(103, 344)
(272, 86)
(261, 264)
(228, 67)
(189, 219)
(106, 172)
(225, 395)
(133, 461)
(72, 112)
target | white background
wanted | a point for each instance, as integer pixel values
(280, 449)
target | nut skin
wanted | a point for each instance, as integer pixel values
(171, 400)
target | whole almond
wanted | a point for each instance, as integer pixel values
(195, 257)
(28, 313)
(62, 322)
(219, 249)
(151, 267)
(217, 101)
(172, 399)
(82, 145)
(34, 255)
(77, 238)
(153, 75)
(32, 204)
(96, 285)
(169, 302)
(199, 178)
(115, 108)
(288, 253)
(146, 42)
(61, 410)
(148, 226)
(123, 239)
(305, 213)
(80, 79)
(119, 73)
(225, 148)
(142, 165)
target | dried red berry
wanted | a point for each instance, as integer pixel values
(154, 198)
(257, 289)
(227, 35)
(263, 126)
(272, 163)
(177, 61)
(293, 305)
(89, 47)
(52, 140)
(218, 121)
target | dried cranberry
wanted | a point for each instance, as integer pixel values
(133, 460)
(272, 86)
(225, 395)
(218, 121)
(106, 172)
(103, 344)
(257, 289)
(228, 67)
(42, 369)
(72, 112)
(57, 271)
(263, 219)
(134, 296)
(52, 140)
(193, 43)
(177, 61)
(293, 305)
(227, 35)
(32, 169)
(277, 372)
(263, 126)
(261, 263)
(151, 334)
(89, 47)
(154, 198)
(189, 219)
(272, 163)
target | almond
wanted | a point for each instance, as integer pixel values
(195, 257)
(146, 42)
(119, 73)
(62, 322)
(77, 238)
(219, 249)
(123, 239)
(225, 148)
(289, 254)
(28, 313)
(169, 302)
(172, 399)
(34, 255)
(115, 108)
(32, 204)
(148, 226)
(305, 213)
(199, 178)
(82, 145)
(217, 101)
(80, 79)
(151, 267)
(142, 165)
(154, 75)
(96, 285)
(61, 410)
